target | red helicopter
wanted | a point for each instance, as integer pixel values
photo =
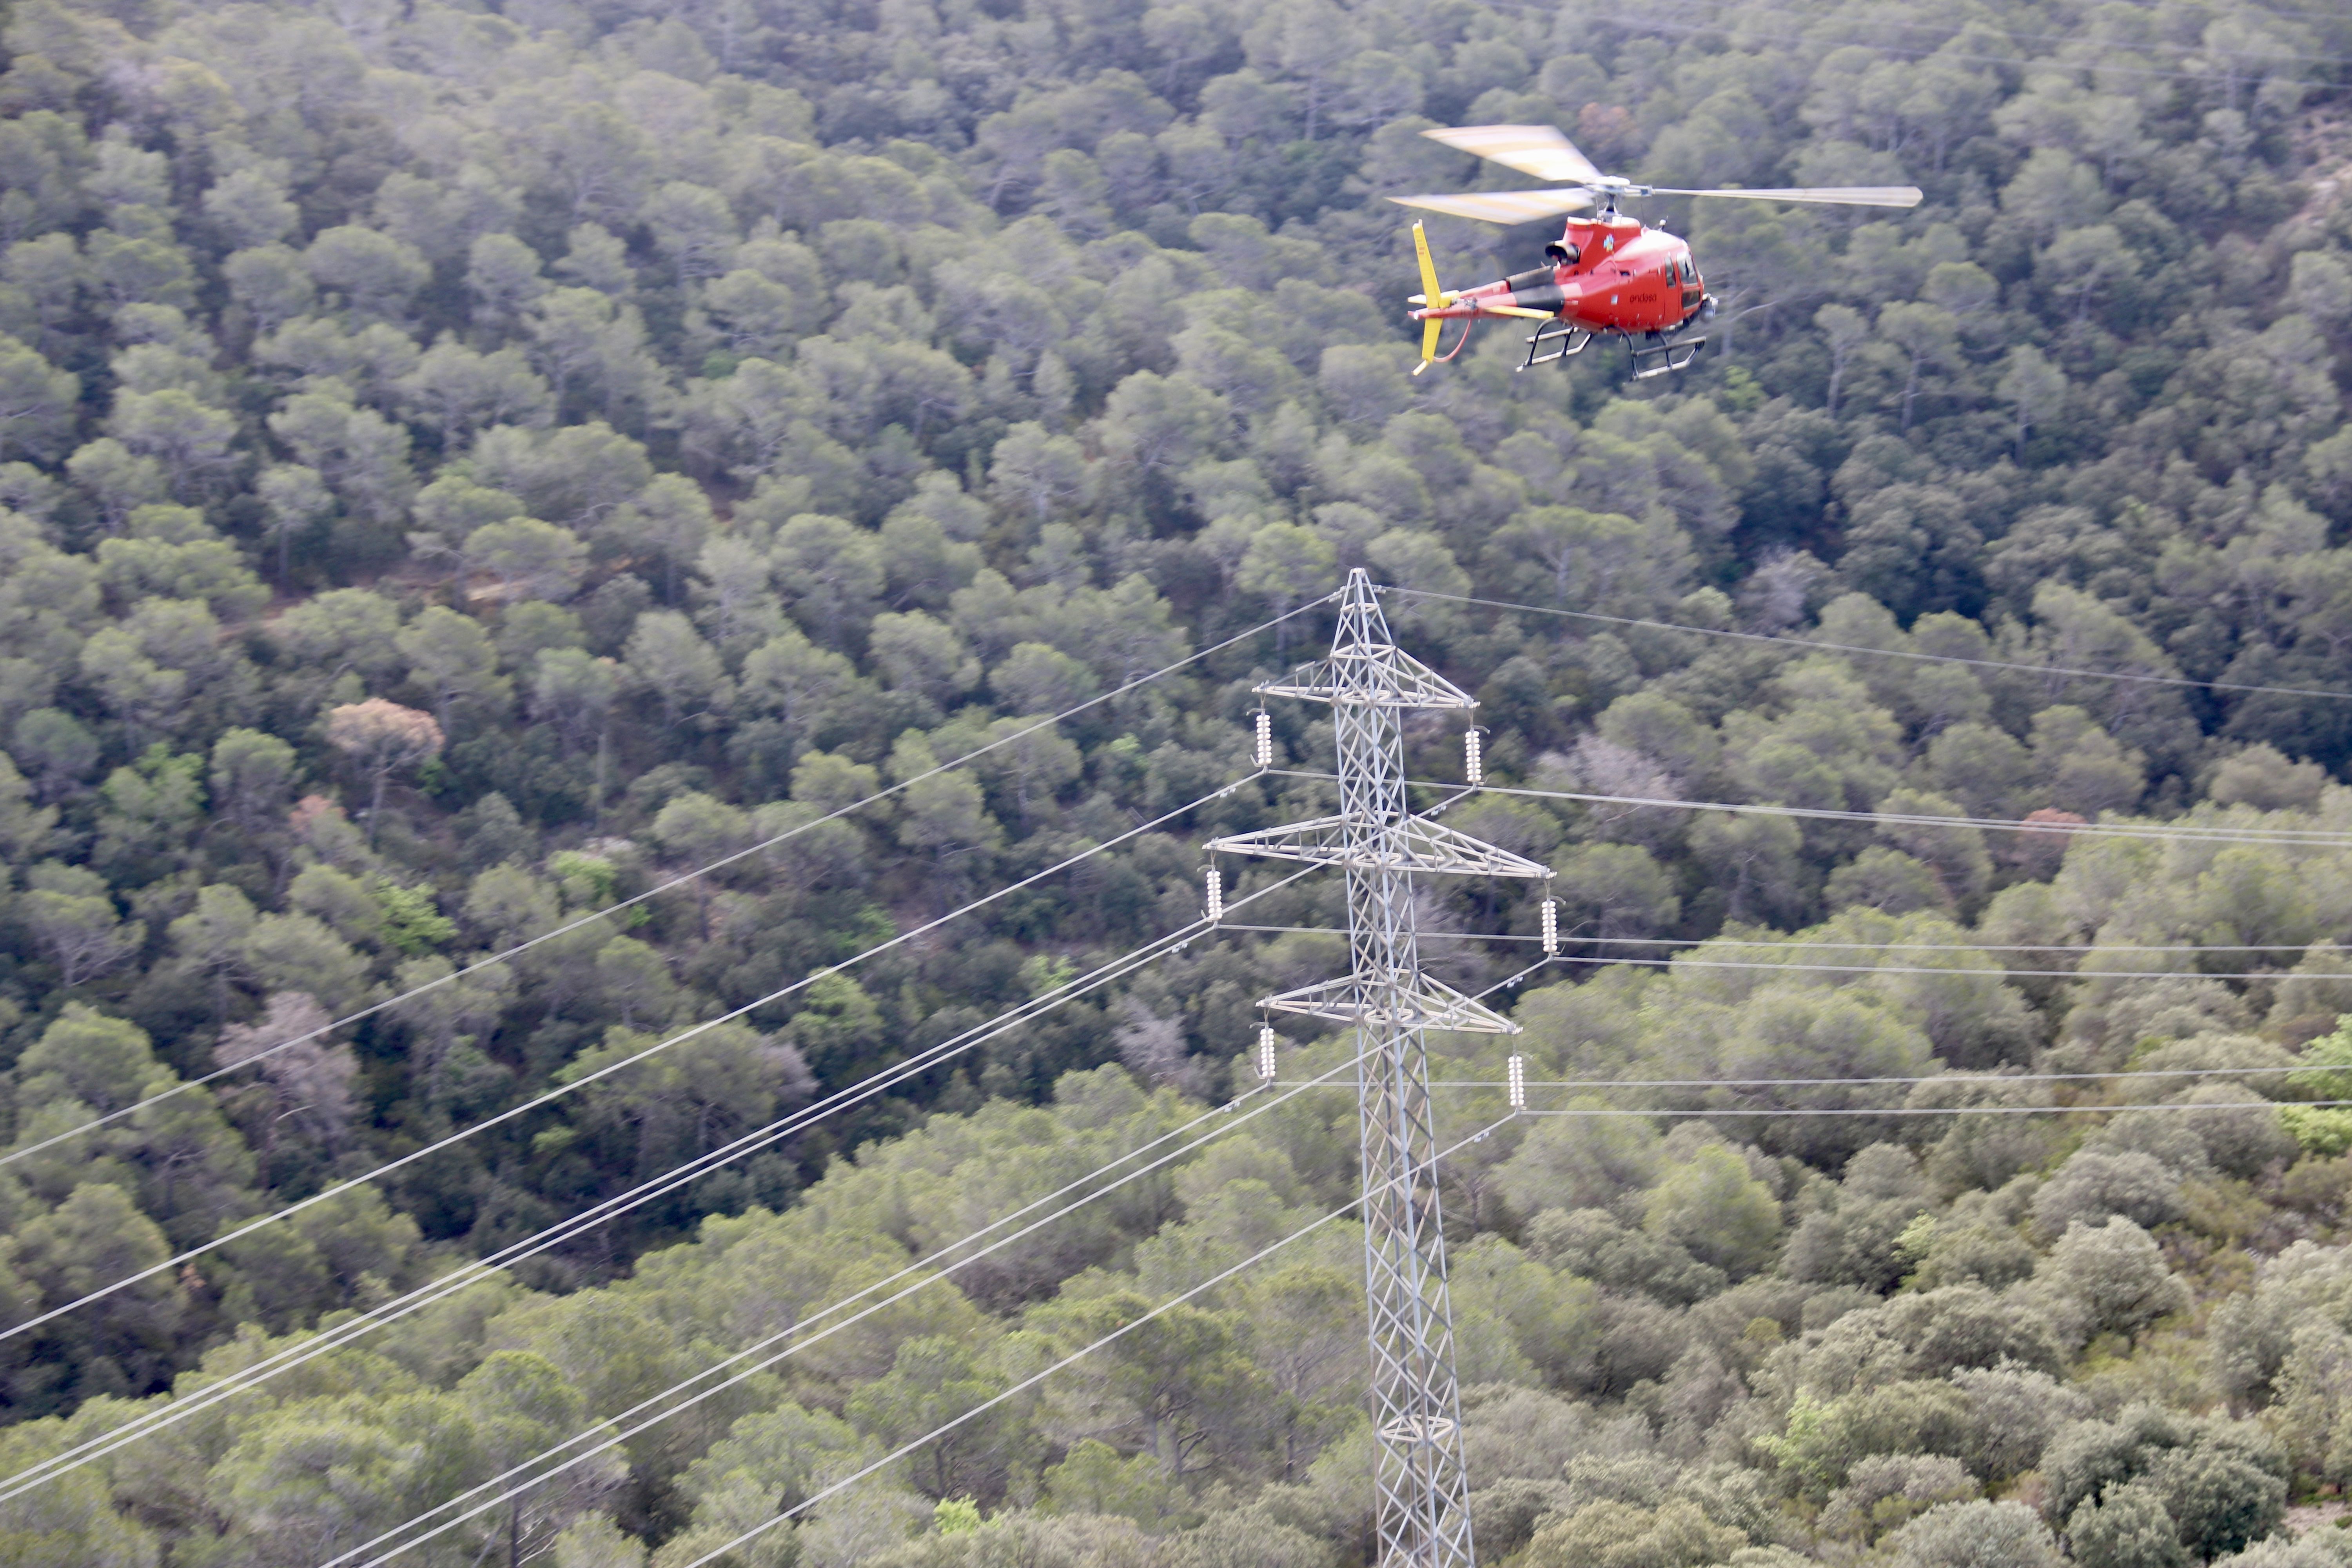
(1606, 274)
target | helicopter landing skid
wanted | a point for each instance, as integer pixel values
(1571, 339)
(1662, 358)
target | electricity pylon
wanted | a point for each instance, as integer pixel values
(1423, 1491)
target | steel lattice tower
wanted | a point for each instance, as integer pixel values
(1421, 1488)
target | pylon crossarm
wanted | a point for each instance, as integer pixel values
(1406, 1003)
(1378, 676)
(1409, 844)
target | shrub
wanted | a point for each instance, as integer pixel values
(1975, 1535)
(2093, 1184)
(2127, 1528)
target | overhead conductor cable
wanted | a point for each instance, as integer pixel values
(2023, 669)
(609, 1069)
(610, 1434)
(350, 1329)
(681, 879)
(468, 1275)
(784, 1515)
(606, 1438)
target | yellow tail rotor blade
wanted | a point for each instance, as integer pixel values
(1431, 297)
(1429, 289)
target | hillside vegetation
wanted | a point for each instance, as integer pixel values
(461, 469)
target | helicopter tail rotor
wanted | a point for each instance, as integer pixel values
(1431, 297)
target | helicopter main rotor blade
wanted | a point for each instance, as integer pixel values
(1502, 206)
(1824, 196)
(1537, 149)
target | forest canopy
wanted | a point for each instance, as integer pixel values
(467, 468)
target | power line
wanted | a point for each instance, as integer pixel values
(1912, 52)
(615, 1437)
(1714, 1112)
(1684, 961)
(2042, 670)
(2004, 973)
(2129, 46)
(558, 1092)
(681, 879)
(2285, 838)
(448, 1285)
(2022, 62)
(1775, 943)
(1991, 1078)
(2259, 10)
(1039, 1376)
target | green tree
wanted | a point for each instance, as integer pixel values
(698, 830)
(322, 1475)
(451, 657)
(688, 1099)
(527, 558)
(56, 747)
(943, 814)
(933, 1381)
(829, 571)
(37, 403)
(519, 1406)
(919, 654)
(1286, 564)
(837, 1027)
(667, 657)
(802, 685)
(2113, 1278)
(75, 920)
(373, 274)
(1176, 1387)
(298, 953)
(1712, 1206)
(455, 390)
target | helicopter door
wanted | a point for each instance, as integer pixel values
(1693, 292)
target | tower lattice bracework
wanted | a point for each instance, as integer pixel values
(1422, 1490)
